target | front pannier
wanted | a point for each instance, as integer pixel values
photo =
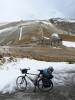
(24, 71)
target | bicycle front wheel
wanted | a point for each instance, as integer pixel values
(43, 88)
(21, 83)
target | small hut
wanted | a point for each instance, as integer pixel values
(55, 40)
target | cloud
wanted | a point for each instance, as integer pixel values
(11, 10)
(66, 7)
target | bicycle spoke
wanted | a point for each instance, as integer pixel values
(21, 83)
(44, 88)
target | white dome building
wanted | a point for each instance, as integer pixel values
(33, 39)
(55, 40)
(54, 34)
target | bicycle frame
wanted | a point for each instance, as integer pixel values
(32, 80)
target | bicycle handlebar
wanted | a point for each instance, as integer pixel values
(23, 71)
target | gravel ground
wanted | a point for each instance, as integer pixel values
(45, 53)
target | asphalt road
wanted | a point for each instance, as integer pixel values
(58, 93)
(65, 92)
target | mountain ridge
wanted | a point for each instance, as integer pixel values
(20, 32)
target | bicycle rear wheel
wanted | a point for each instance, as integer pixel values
(21, 83)
(43, 88)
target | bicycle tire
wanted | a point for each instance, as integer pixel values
(42, 88)
(21, 83)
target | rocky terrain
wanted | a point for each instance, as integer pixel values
(67, 25)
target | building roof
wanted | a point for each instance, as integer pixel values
(33, 38)
(55, 37)
(54, 34)
(46, 38)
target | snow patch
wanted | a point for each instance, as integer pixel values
(68, 44)
(11, 70)
(6, 29)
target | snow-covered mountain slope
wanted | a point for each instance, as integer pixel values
(13, 32)
(67, 25)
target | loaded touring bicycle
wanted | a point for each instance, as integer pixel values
(43, 83)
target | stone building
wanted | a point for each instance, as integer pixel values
(55, 40)
(44, 41)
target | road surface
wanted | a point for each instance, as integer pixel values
(66, 92)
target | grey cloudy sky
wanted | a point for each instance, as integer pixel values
(13, 10)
